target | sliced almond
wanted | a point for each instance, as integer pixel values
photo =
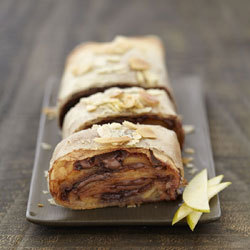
(139, 77)
(91, 108)
(118, 48)
(143, 110)
(111, 106)
(52, 202)
(150, 77)
(193, 171)
(136, 136)
(190, 165)
(46, 146)
(117, 106)
(46, 173)
(50, 112)
(129, 125)
(115, 125)
(138, 104)
(129, 101)
(148, 99)
(131, 206)
(104, 130)
(82, 69)
(138, 64)
(188, 129)
(111, 69)
(110, 140)
(159, 155)
(189, 151)
(146, 132)
(186, 160)
(117, 93)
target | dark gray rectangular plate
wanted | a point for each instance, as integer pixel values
(190, 102)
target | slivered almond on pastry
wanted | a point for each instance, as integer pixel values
(148, 99)
(129, 101)
(117, 93)
(139, 77)
(138, 64)
(117, 48)
(88, 175)
(50, 112)
(91, 108)
(129, 125)
(79, 70)
(146, 132)
(187, 160)
(151, 78)
(134, 105)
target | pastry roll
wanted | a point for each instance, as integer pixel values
(116, 165)
(136, 105)
(93, 67)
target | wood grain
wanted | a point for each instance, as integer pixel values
(210, 39)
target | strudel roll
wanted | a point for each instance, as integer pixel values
(134, 104)
(116, 165)
(93, 67)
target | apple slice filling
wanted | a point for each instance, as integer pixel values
(120, 178)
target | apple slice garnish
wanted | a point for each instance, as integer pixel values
(215, 189)
(215, 180)
(181, 213)
(195, 193)
(193, 217)
(185, 210)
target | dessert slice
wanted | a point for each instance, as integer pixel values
(124, 62)
(116, 165)
(136, 105)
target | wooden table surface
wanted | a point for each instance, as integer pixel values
(209, 39)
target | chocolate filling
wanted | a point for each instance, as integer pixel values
(77, 96)
(102, 167)
(111, 161)
(123, 194)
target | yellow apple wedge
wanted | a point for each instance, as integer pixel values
(185, 210)
(182, 212)
(195, 193)
(215, 189)
(193, 217)
(215, 180)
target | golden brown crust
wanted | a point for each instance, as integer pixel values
(102, 65)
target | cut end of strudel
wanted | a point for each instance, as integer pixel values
(152, 106)
(125, 62)
(116, 165)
